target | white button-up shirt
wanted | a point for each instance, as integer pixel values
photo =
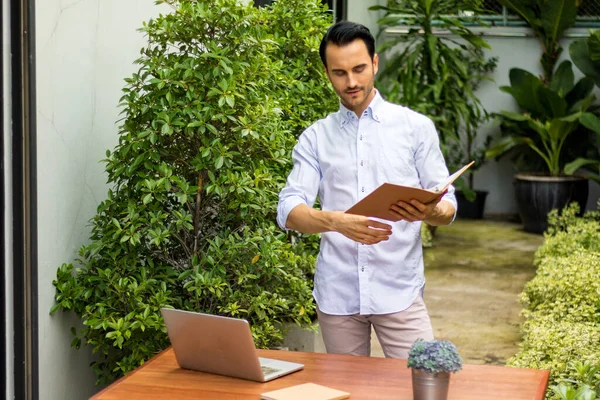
(342, 159)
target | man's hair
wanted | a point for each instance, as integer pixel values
(344, 33)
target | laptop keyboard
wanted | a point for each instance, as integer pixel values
(269, 370)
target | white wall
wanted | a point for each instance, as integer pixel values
(358, 11)
(85, 48)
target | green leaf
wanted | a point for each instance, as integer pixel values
(505, 144)
(557, 16)
(563, 79)
(579, 52)
(579, 163)
(524, 88)
(524, 8)
(591, 121)
(594, 46)
(219, 162)
(580, 91)
(553, 104)
(514, 116)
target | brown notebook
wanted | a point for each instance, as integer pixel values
(378, 202)
(305, 391)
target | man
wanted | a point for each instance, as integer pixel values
(369, 272)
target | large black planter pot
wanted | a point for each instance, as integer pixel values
(538, 195)
(470, 209)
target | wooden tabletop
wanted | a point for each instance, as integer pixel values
(363, 377)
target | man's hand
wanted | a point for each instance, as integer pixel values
(435, 213)
(360, 229)
(415, 210)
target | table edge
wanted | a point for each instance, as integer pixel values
(112, 385)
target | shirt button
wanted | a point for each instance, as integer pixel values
(363, 189)
(361, 163)
(360, 137)
(362, 269)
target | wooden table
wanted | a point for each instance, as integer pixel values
(363, 377)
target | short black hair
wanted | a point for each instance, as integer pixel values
(346, 32)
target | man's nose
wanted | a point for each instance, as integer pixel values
(351, 80)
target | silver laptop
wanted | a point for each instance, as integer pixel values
(220, 345)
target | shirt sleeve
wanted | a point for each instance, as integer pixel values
(430, 162)
(303, 182)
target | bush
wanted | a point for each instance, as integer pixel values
(552, 344)
(562, 304)
(209, 122)
(568, 233)
(566, 288)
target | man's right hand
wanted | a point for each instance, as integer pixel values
(360, 229)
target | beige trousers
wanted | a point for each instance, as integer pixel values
(351, 334)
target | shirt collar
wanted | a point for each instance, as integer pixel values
(372, 110)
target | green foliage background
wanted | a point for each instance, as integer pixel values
(438, 75)
(209, 120)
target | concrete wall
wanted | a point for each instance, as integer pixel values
(84, 51)
(358, 11)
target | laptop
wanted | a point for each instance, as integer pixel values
(220, 345)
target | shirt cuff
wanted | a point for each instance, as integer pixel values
(284, 209)
(451, 198)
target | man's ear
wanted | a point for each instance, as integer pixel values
(375, 63)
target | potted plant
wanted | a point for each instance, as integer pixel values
(431, 363)
(437, 75)
(551, 126)
(548, 117)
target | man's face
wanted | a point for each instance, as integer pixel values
(352, 73)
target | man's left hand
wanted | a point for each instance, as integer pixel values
(415, 210)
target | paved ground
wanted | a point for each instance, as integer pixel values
(474, 273)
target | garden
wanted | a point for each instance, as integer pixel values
(222, 91)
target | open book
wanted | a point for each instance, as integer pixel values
(378, 202)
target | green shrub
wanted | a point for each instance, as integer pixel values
(552, 344)
(566, 288)
(585, 384)
(562, 306)
(209, 122)
(569, 233)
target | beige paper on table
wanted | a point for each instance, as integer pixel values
(378, 202)
(305, 391)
